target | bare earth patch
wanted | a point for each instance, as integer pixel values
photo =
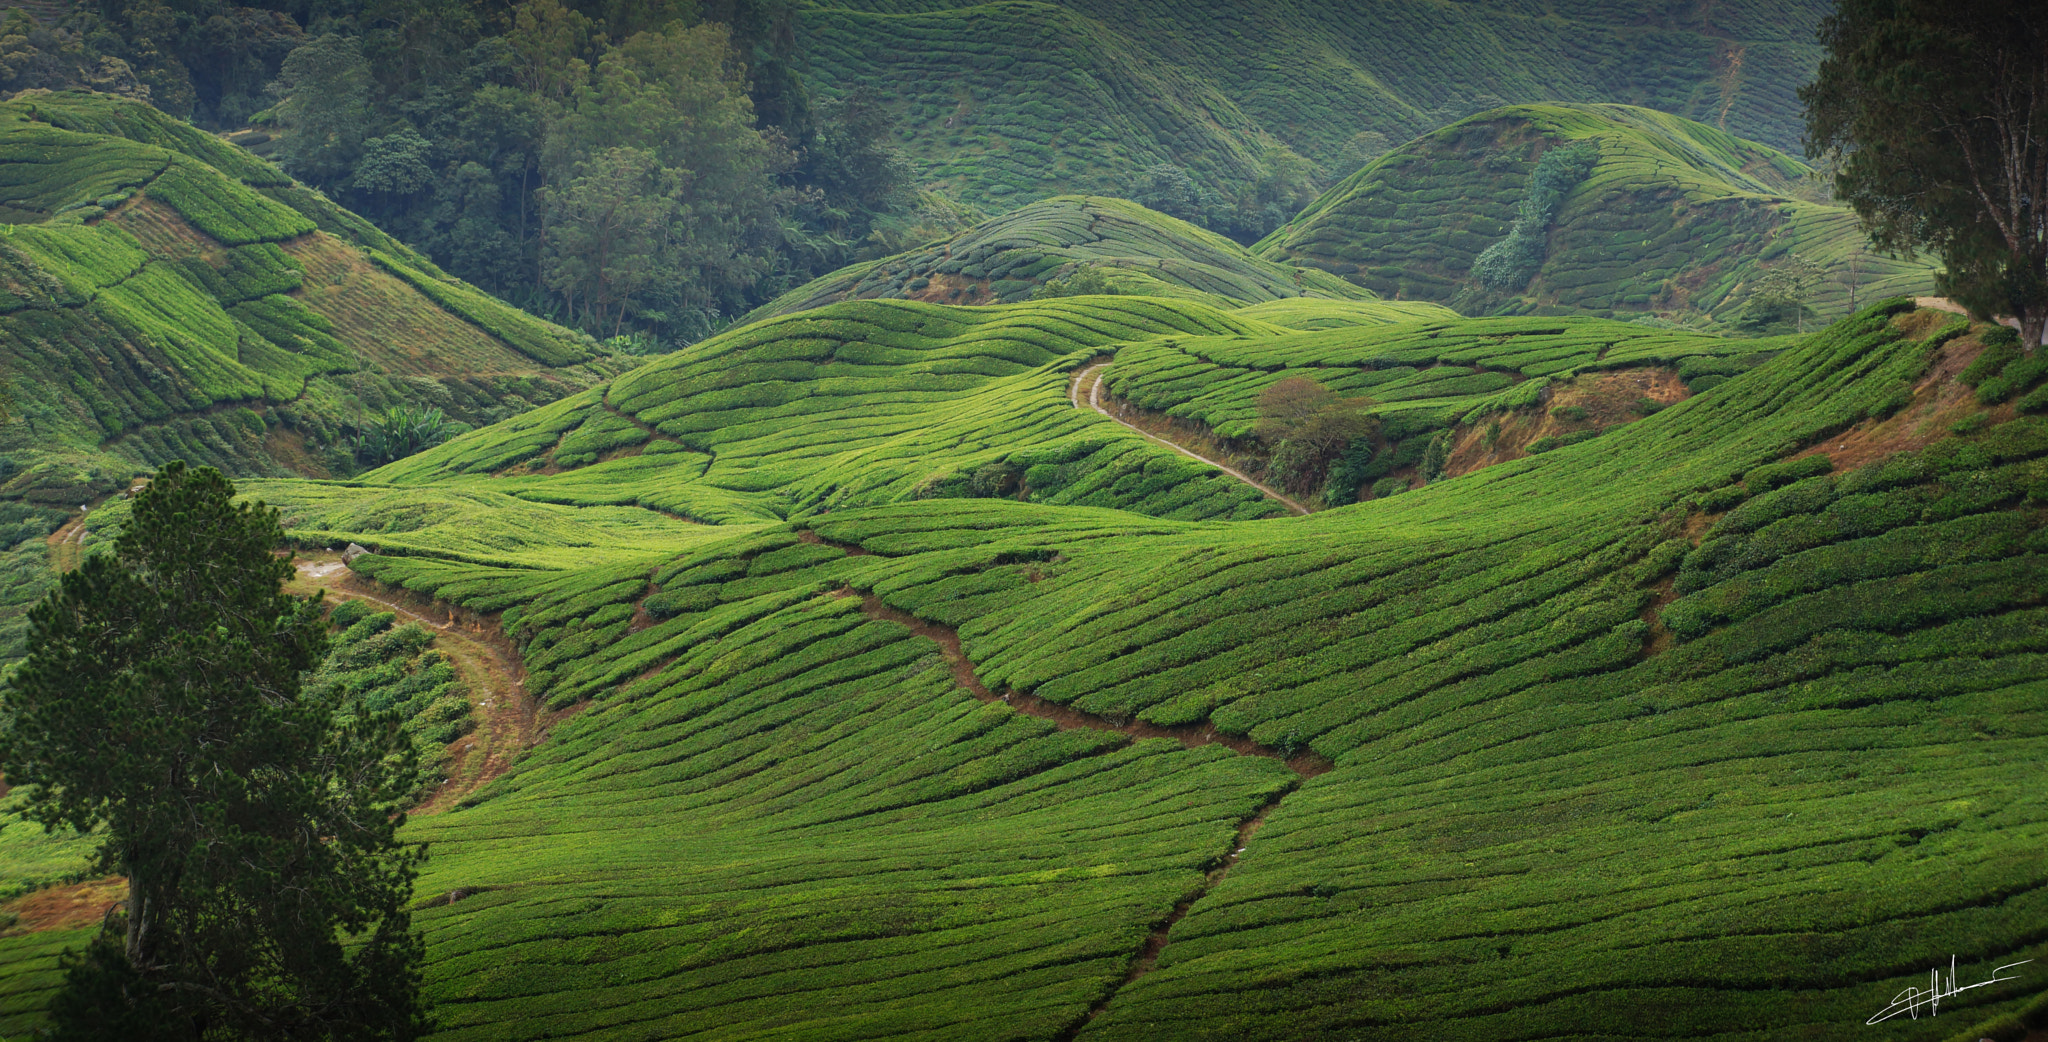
(65, 907)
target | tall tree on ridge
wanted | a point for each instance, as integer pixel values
(1940, 111)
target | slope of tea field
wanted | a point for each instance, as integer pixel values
(1139, 251)
(1686, 731)
(867, 402)
(1014, 101)
(1675, 217)
(164, 295)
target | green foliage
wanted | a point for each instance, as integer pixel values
(1486, 661)
(1014, 104)
(161, 701)
(402, 431)
(223, 209)
(1934, 111)
(1084, 282)
(1673, 220)
(1510, 263)
(1114, 245)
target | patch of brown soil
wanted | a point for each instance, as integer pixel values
(509, 721)
(65, 907)
(1067, 718)
(1607, 398)
(1653, 614)
(1939, 401)
(955, 289)
(288, 447)
(67, 544)
(162, 230)
(1953, 308)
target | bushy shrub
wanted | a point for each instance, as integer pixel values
(1510, 263)
(1389, 486)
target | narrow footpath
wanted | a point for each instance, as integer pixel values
(509, 721)
(1090, 379)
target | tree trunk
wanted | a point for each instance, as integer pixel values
(2032, 326)
(138, 922)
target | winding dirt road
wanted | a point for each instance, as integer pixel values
(509, 721)
(1091, 378)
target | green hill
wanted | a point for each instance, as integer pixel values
(1674, 217)
(1138, 251)
(1691, 729)
(1013, 101)
(166, 295)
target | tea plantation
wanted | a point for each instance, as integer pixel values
(867, 402)
(1138, 252)
(169, 296)
(1685, 731)
(1011, 102)
(1674, 217)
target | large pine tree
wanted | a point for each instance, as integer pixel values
(161, 702)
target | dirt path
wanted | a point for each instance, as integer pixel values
(1091, 379)
(508, 720)
(67, 544)
(1155, 942)
(1193, 736)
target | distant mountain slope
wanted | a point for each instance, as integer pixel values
(1015, 100)
(1142, 252)
(1675, 216)
(166, 295)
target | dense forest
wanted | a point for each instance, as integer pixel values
(623, 166)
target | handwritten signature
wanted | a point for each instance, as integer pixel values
(1912, 1000)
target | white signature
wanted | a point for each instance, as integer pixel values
(1911, 1000)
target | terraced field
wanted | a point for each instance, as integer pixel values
(1007, 258)
(868, 402)
(1675, 218)
(1011, 102)
(1686, 720)
(1689, 721)
(166, 295)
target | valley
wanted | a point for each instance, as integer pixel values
(1541, 573)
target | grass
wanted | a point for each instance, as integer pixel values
(1006, 103)
(1676, 218)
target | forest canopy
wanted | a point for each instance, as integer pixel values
(647, 167)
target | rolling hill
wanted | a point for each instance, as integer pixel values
(1673, 217)
(1013, 101)
(1725, 723)
(1140, 252)
(167, 296)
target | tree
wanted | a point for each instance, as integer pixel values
(1781, 291)
(1939, 111)
(678, 98)
(161, 701)
(606, 227)
(1083, 281)
(1306, 427)
(326, 88)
